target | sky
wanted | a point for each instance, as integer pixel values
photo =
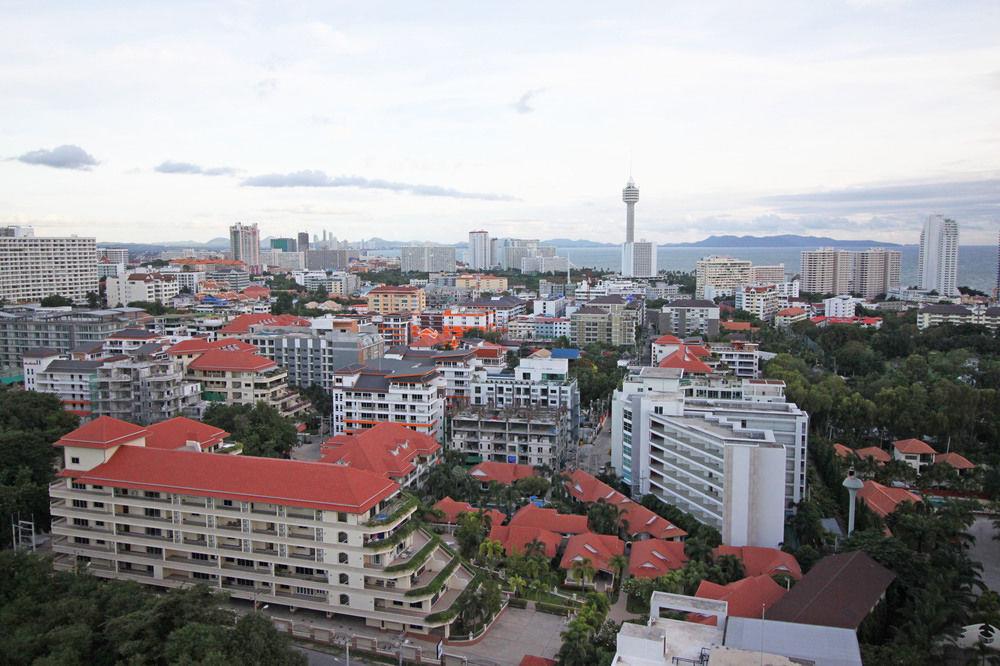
(145, 122)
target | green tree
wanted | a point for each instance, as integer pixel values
(604, 518)
(56, 301)
(260, 428)
(471, 531)
(93, 299)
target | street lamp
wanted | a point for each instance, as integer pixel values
(853, 485)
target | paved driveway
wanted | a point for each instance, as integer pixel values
(517, 633)
(987, 551)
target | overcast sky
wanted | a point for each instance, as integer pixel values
(423, 120)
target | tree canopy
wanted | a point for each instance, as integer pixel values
(260, 428)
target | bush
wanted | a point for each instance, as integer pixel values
(552, 609)
(517, 602)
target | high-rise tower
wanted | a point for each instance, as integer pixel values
(630, 195)
(938, 259)
(244, 245)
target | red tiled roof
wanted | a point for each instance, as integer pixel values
(102, 433)
(504, 473)
(735, 325)
(242, 323)
(687, 360)
(201, 345)
(257, 291)
(748, 597)
(955, 460)
(532, 660)
(883, 500)
(312, 485)
(452, 509)
(652, 558)
(549, 519)
(241, 361)
(879, 455)
(913, 447)
(386, 448)
(598, 548)
(515, 539)
(176, 432)
(791, 312)
(638, 520)
(667, 340)
(759, 561)
(843, 451)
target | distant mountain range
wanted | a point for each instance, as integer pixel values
(782, 241)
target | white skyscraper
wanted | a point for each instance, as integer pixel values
(938, 261)
(33, 267)
(244, 243)
(638, 258)
(480, 256)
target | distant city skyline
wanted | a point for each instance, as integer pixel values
(851, 119)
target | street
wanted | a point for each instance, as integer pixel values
(594, 457)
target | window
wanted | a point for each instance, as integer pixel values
(75, 460)
(152, 513)
(341, 517)
(344, 579)
(153, 531)
(81, 522)
(342, 558)
(342, 537)
(151, 495)
(79, 486)
(345, 600)
(199, 556)
(227, 502)
(79, 504)
(202, 576)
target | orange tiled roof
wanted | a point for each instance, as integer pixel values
(598, 548)
(879, 455)
(913, 447)
(652, 558)
(452, 509)
(883, 500)
(759, 561)
(746, 598)
(178, 431)
(515, 538)
(504, 473)
(957, 461)
(386, 448)
(549, 519)
(103, 432)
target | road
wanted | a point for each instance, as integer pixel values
(593, 457)
(310, 450)
(987, 551)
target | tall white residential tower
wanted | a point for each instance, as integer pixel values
(479, 256)
(938, 261)
(244, 243)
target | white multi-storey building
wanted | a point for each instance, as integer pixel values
(639, 259)
(393, 391)
(539, 327)
(826, 271)
(762, 275)
(685, 318)
(278, 258)
(479, 256)
(736, 460)
(304, 535)
(840, 306)
(113, 255)
(32, 267)
(720, 276)
(938, 258)
(761, 301)
(876, 271)
(142, 287)
(427, 258)
(244, 245)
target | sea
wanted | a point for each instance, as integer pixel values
(977, 264)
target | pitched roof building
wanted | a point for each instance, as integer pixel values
(653, 558)
(549, 519)
(502, 473)
(762, 561)
(598, 548)
(883, 500)
(389, 449)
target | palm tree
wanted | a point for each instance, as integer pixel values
(583, 570)
(491, 552)
(619, 563)
(516, 584)
(534, 548)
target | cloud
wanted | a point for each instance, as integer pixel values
(522, 105)
(61, 157)
(312, 178)
(970, 198)
(189, 168)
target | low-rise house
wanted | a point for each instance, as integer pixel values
(880, 456)
(752, 596)
(549, 519)
(653, 558)
(883, 500)
(638, 522)
(451, 509)
(914, 452)
(521, 540)
(958, 462)
(596, 549)
(759, 561)
(505, 474)
(390, 449)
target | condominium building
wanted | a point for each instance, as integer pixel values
(938, 258)
(585, 291)
(232, 279)
(389, 299)
(685, 318)
(763, 275)
(826, 271)
(840, 306)
(331, 538)
(239, 377)
(285, 244)
(719, 276)
(311, 356)
(283, 259)
(530, 415)
(736, 463)
(478, 256)
(479, 282)
(389, 390)
(113, 255)
(325, 260)
(145, 386)
(956, 315)
(739, 358)
(539, 327)
(141, 287)
(61, 329)
(455, 366)
(761, 301)
(553, 306)
(504, 308)
(33, 267)
(591, 324)
(639, 259)
(427, 258)
(543, 264)
(876, 272)
(390, 449)
(458, 320)
(244, 245)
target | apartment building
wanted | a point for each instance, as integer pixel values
(389, 449)
(480, 282)
(240, 377)
(763, 275)
(232, 279)
(946, 313)
(288, 260)
(311, 356)
(141, 287)
(303, 535)
(33, 267)
(876, 272)
(742, 359)
(592, 324)
(244, 245)
(458, 320)
(389, 299)
(427, 259)
(553, 306)
(325, 260)
(685, 318)
(736, 462)
(720, 276)
(62, 329)
(455, 366)
(937, 263)
(74, 382)
(504, 308)
(585, 292)
(787, 316)
(145, 386)
(113, 255)
(538, 327)
(389, 390)
(826, 271)
(529, 416)
(478, 256)
(761, 301)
